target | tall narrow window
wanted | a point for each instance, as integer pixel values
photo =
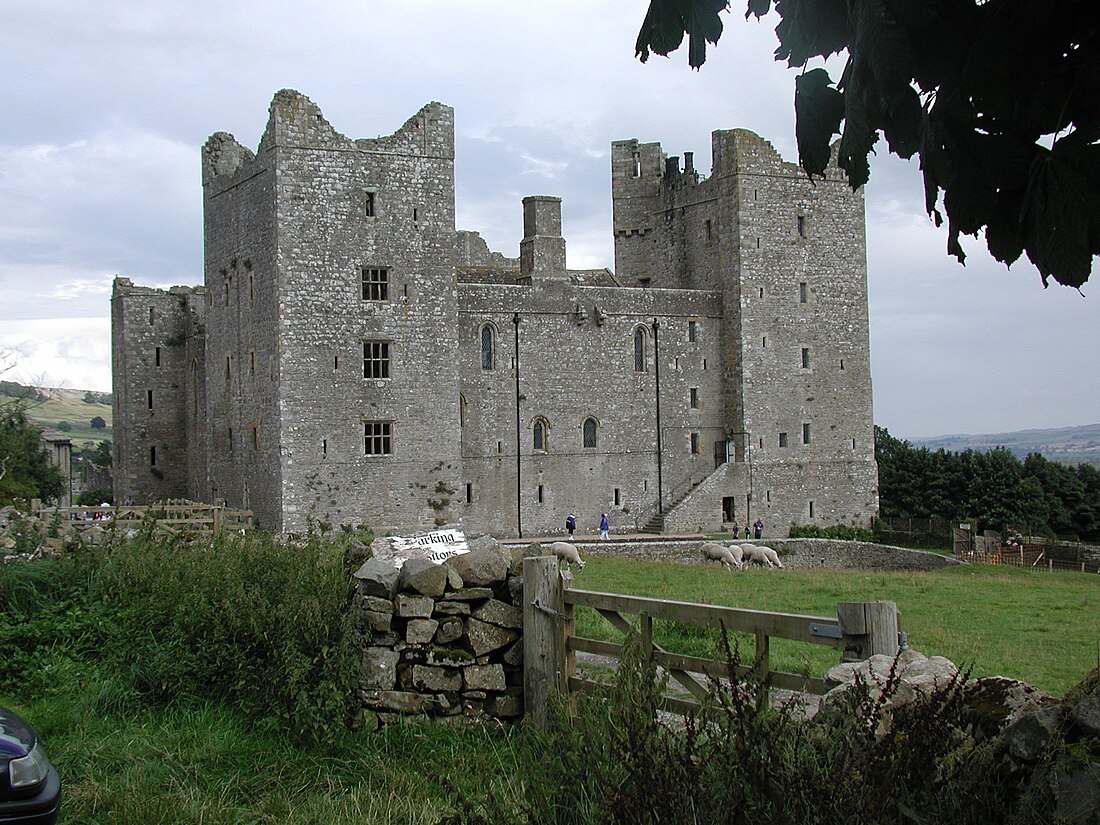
(693, 330)
(811, 509)
(469, 493)
(637, 164)
(488, 348)
(251, 287)
(227, 369)
(782, 439)
(156, 357)
(368, 204)
(695, 443)
(805, 433)
(693, 397)
(708, 231)
(255, 436)
(539, 436)
(376, 359)
(801, 226)
(152, 456)
(588, 433)
(378, 437)
(805, 358)
(618, 497)
(376, 283)
(540, 494)
(639, 350)
(152, 315)
(225, 289)
(252, 363)
(803, 292)
(149, 396)
(230, 439)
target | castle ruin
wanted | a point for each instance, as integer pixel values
(353, 359)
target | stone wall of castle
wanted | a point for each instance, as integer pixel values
(358, 363)
(789, 260)
(150, 359)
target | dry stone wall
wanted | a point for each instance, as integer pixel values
(442, 639)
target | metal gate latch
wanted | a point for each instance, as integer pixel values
(538, 605)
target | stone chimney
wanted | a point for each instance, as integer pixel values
(542, 250)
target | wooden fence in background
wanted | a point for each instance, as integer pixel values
(172, 517)
(1028, 553)
(859, 630)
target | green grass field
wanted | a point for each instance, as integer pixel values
(68, 405)
(125, 762)
(1042, 628)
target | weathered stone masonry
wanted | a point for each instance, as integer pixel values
(353, 359)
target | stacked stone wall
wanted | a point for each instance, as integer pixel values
(795, 553)
(442, 639)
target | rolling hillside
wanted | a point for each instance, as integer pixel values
(65, 405)
(1068, 445)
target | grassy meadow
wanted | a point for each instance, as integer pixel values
(182, 684)
(1041, 628)
(68, 405)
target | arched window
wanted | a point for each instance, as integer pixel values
(539, 434)
(589, 433)
(488, 354)
(639, 350)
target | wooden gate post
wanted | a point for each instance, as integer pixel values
(544, 663)
(868, 628)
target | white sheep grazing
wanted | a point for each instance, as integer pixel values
(738, 554)
(761, 555)
(712, 551)
(566, 551)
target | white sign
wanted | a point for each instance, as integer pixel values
(437, 546)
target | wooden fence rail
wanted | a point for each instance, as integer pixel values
(172, 517)
(859, 630)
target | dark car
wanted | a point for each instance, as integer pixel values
(30, 789)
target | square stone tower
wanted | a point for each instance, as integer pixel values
(331, 320)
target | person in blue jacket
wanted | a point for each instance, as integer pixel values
(605, 525)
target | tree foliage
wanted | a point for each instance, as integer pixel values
(25, 468)
(98, 423)
(1000, 100)
(994, 487)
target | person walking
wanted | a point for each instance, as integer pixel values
(571, 524)
(605, 526)
(758, 528)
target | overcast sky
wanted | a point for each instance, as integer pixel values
(104, 107)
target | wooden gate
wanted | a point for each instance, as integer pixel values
(550, 644)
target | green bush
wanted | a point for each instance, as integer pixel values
(843, 532)
(93, 498)
(619, 760)
(242, 619)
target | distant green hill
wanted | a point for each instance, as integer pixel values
(76, 408)
(1068, 445)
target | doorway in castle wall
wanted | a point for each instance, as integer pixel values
(729, 509)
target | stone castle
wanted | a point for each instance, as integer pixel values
(353, 359)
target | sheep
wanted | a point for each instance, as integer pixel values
(567, 552)
(761, 555)
(712, 551)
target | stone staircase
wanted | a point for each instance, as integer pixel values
(656, 523)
